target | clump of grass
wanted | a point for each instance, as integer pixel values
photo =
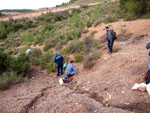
(93, 33)
(85, 31)
(78, 57)
(110, 19)
(97, 23)
(35, 56)
(6, 80)
(89, 23)
(115, 50)
(146, 16)
(90, 59)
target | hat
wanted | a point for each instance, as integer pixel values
(107, 27)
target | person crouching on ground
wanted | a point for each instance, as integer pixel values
(110, 34)
(70, 70)
(58, 59)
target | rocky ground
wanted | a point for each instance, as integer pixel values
(106, 88)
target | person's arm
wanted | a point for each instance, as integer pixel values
(62, 58)
(74, 69)
(54, 59)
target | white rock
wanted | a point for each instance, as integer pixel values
(28, 51)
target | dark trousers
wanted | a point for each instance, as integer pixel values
(70, 75)
(110, 45)
(60, 67)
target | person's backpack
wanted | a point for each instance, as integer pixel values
(66, 79)
(115, 36)
(147, 77)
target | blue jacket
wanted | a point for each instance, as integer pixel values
(58, 59)
(71, 70)
(110, 35)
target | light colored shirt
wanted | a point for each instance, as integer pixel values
(71, 70)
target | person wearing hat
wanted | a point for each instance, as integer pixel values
(70, 70)
(58, 59)
(109, 37)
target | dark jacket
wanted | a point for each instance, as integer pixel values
(110, 35)
(58, 59)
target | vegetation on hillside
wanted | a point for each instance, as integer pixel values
(132, 9)
(60, 32)
(16, 10)
(12, 69)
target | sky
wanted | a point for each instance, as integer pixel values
(29, 4)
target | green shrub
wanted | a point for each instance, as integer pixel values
(146, 16)
(88, 63)
(7, 80)
(75, 47)
(48, 27)
(110, 19)
(23, 63)
(90, 43)
(76, 10)
(90, 59)
(115, 50)
(76, 20)
(85, 31)
(78, 57)
(45, 59)
(14, 78)
(38, 40)
(3, 32)
(51, 68)
(134, 8)
(28, 38)
(89, 23)
(97, 12)
(35, 56)
(4, 81)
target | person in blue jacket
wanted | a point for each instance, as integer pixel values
(58, 59)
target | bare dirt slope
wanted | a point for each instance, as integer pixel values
(106, 88)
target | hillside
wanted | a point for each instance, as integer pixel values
(76, 4)
(104, 88)
(103, 84)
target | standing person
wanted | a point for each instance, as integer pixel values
(70, 70)
(58, 59)
(147, 77)
(110, 36)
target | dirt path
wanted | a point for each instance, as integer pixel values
(38, 13)
(106, 88)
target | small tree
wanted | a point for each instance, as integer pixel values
(97, 12)
(27, 38)
(3, 33)
(76, 20)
